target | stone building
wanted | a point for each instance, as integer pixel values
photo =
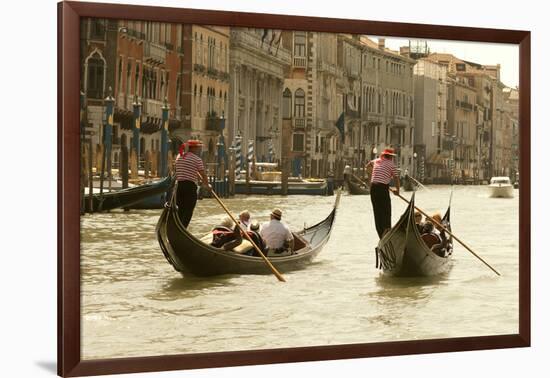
(462, 135)
(137, 60)
(388, 101)
(313, 101)
(205, 86)
(430, 113)
(495, 138)
(257, 63)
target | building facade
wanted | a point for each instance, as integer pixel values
(258, 63)
(137, 63)
(205, 86)
(430, 112)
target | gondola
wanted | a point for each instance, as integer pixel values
(408, 184)
(126, 197)
(356, 188)
(403, 252)
(189, 255)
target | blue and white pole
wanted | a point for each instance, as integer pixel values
(238, 157)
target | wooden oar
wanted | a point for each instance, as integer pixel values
(444, 228)
(275, 271)
(418, 182)
(449, 232)
(361, 181)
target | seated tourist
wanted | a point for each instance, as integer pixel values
(418, 221)
(277, 236)
(226, 235)
(442, 249)
(430, 235)
(244, 218)
(254, 234)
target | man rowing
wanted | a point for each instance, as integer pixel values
(383, 171)
(189, 167)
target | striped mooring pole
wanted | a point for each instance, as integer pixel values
(250, 154)
(238, 157)
(270, 149)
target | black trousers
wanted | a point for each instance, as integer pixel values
(381, 206)
(186, 198)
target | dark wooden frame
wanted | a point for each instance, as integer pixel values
(69, 361)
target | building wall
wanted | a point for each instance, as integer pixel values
(258, 62)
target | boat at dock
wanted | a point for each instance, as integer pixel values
(265, 179)
(126, 198)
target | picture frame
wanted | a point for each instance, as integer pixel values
(69, 299)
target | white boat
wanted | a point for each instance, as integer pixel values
(501, 187)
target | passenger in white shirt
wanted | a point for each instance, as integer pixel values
(277, 235)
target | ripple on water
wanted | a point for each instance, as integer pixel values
(135, 304)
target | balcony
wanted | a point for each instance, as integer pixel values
(213, 122)
(199, 68)
(252, 41)
(327, 67)
(152, 108)
(300, 62)
(373, 119)
(466, 105)
(399, 121)
(299, 123)
(154, 53)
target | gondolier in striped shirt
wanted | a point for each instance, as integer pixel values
(383, 170)
(189, 167)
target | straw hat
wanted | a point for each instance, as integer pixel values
(277, 213)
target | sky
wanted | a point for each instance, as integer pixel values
(507, 55)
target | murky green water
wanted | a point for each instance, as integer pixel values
(135, 304)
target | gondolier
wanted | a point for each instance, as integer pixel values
(189, 167)
(383, 170)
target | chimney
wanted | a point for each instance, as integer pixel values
(381, 43)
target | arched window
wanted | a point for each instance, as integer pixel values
(299, 103)
(287, 103)
(96, 68)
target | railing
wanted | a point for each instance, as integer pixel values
(327, 67)
(300, 61)
(300, 122)
(466, 105)
(154, 53)
(255, 41)
(152, 108)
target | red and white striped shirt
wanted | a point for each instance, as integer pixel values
(188, 166)
(383, 171)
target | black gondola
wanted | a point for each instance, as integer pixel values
(408, 184)
(356, 188)
(188, 254)
(127, 197)
(403, 252)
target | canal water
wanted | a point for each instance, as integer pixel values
(135, 304)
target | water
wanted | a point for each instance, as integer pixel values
(135, 304)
